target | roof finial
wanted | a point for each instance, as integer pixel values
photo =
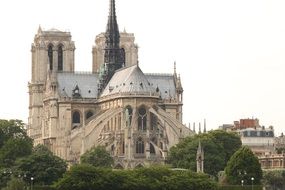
(40, 29)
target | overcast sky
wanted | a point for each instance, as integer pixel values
(230, 53)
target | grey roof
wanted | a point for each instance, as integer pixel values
(129, 79)
(86, 82)
(165, 84)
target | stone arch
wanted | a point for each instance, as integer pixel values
(119, 166)
(139, 165)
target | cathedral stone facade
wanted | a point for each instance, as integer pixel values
(136, 116)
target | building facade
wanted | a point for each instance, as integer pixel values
(136, 116)
(272, 161)
(258, 138)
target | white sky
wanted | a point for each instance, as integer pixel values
(230, 53)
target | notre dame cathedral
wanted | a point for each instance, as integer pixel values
(136, 116)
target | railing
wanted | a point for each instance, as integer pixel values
(128, 94)
(78, 72)
(159, 74)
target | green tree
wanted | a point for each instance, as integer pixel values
(82, 177)
(274, 179)
(98, 157)
(218, 147)
(15, 184)
(230, 141)
(243, 165)
(42, 165)
(14, 142)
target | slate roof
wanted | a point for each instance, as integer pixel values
(86, 82)
(129, 79)
(164, 83)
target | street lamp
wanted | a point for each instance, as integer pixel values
(242, 182)
(252, 179)
(32, 179)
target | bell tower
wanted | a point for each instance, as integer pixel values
(52, 52)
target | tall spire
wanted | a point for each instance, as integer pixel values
(112, 31)
(114, 56)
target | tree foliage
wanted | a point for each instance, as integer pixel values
(82, 177)
(98, 157)
(15, 184)
(274, 179)
(42, 165)
(218, 146)
(14, 142)
(243, 165)
(230, 142)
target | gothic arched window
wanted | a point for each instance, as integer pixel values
(142, 119)
(140, 146)
(121, 148)
(50, 57)
(153, 121)
(151, 147)
(60, 58)
(76, 117)
(89, 114)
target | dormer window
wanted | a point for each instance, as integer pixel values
(76, 92)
